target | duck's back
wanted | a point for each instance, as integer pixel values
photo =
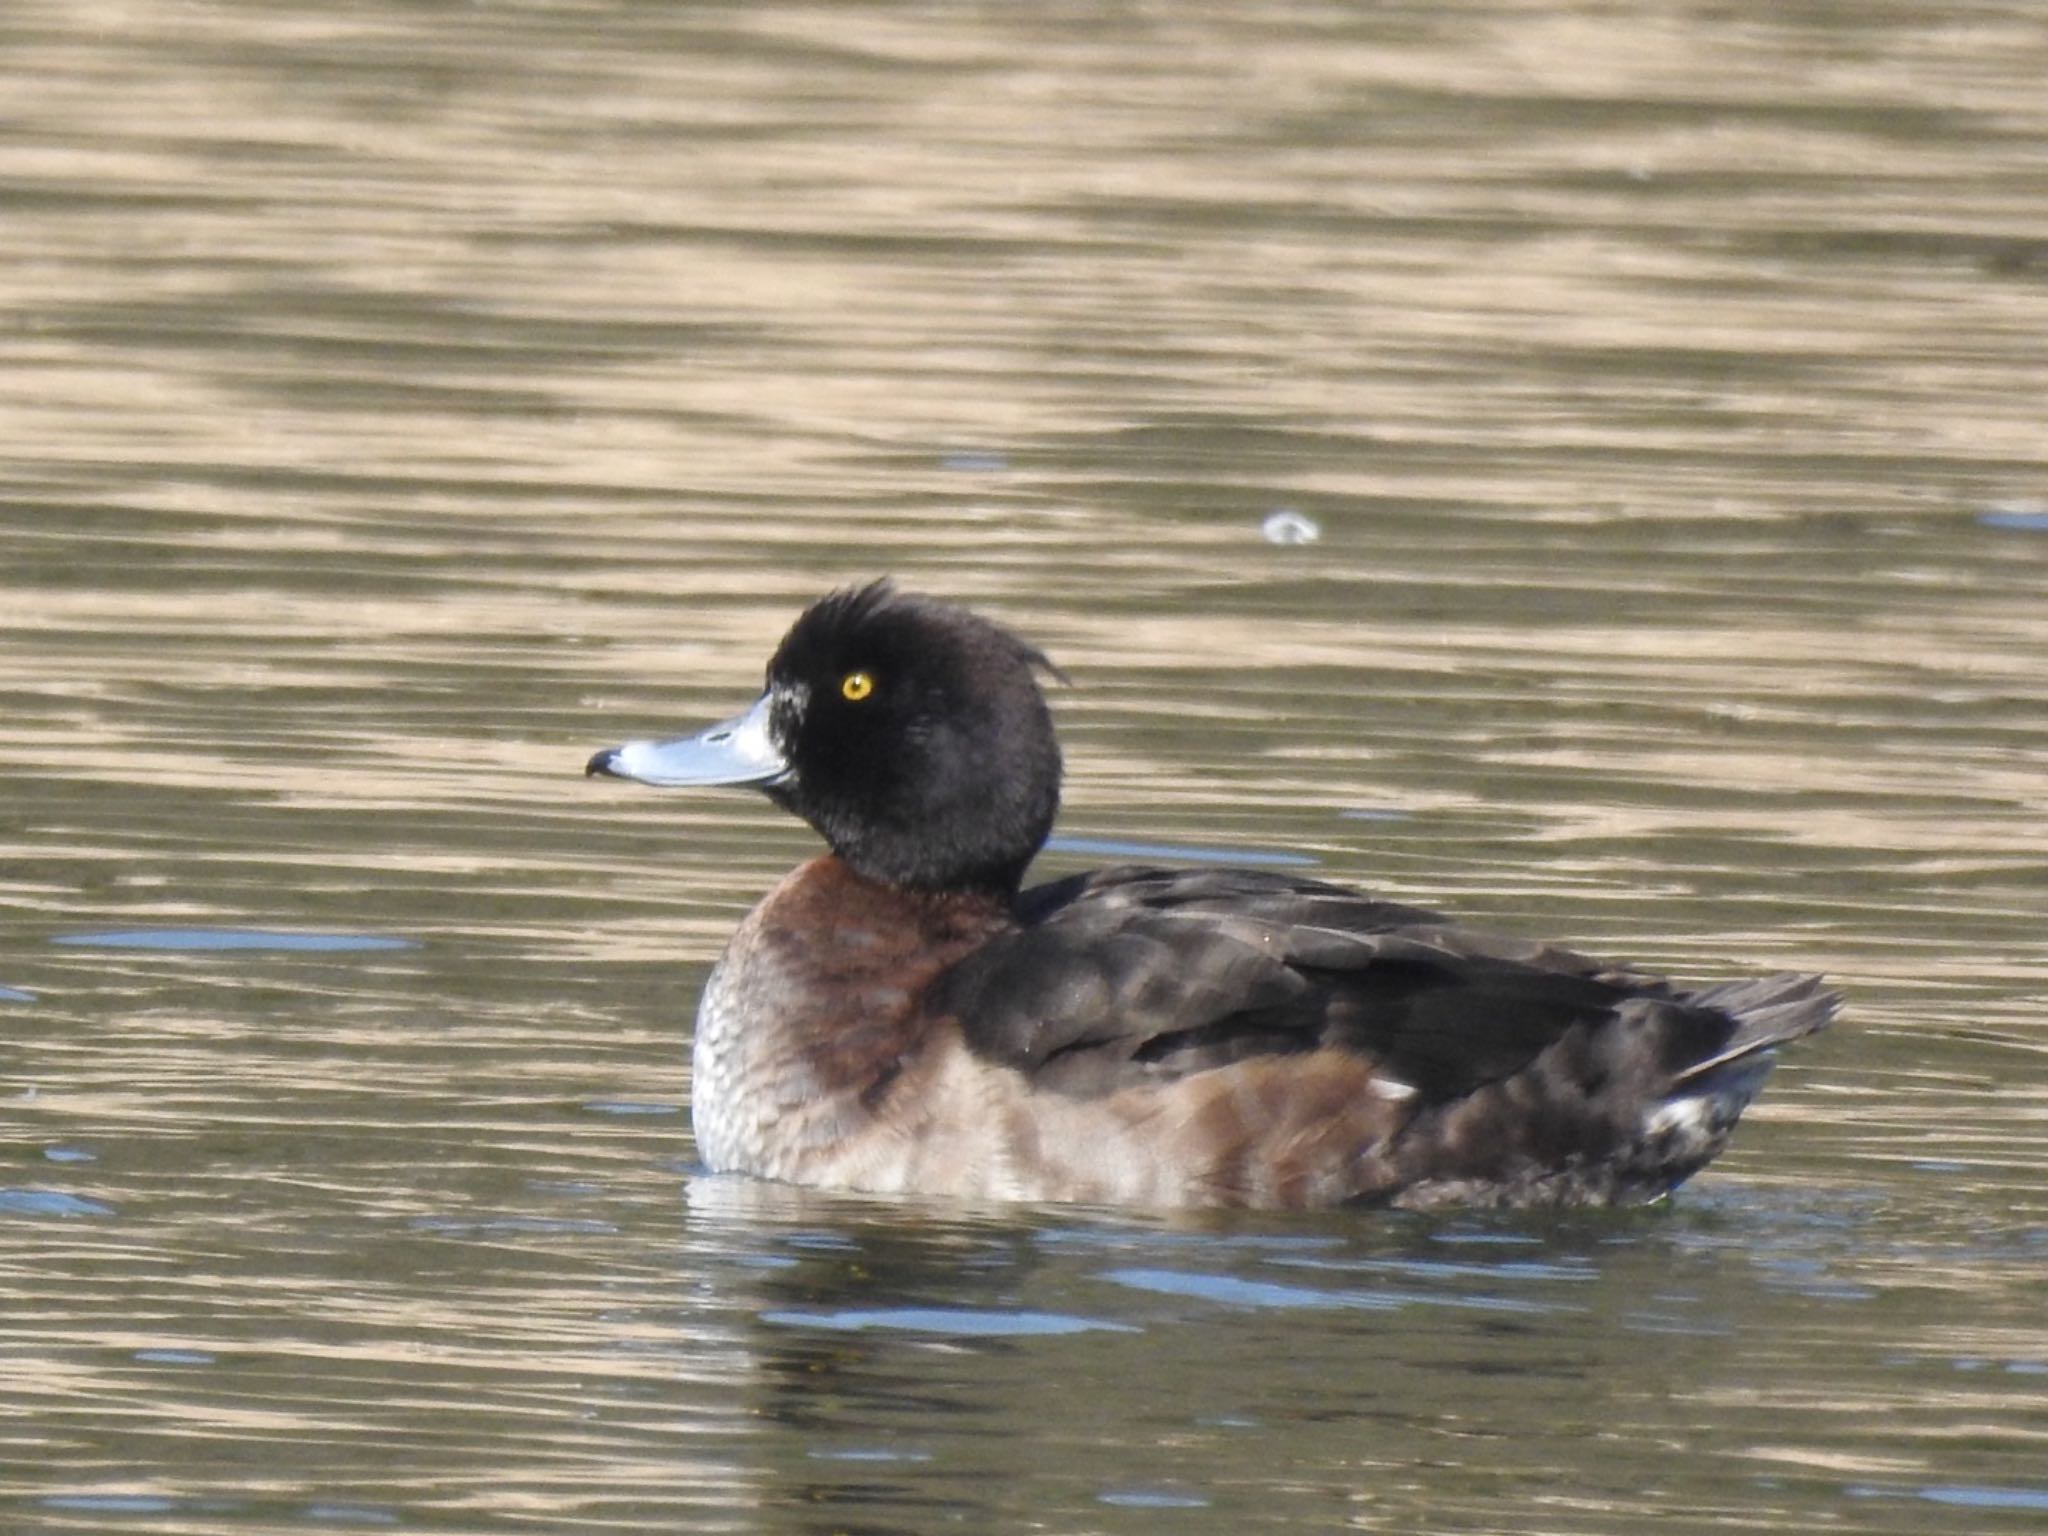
(1286, 1042)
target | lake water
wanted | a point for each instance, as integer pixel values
(401, 400)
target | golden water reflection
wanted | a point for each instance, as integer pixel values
(402, 402)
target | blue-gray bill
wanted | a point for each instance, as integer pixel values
(741, 750)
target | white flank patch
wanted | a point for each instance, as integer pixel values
(1692, 1115)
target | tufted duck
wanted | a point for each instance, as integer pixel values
(898, 1015)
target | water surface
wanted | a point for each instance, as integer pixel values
(401, 401)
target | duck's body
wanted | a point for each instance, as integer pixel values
(898, 1017)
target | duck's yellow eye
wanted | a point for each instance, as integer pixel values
(856, 686)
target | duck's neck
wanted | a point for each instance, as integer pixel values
(810, 1013)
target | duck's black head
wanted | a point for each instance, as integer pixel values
(912, 734)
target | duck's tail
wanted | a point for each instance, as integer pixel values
(1768, 1011)
(1692, 1121)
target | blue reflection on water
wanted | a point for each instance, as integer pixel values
(1986, 1498)
(1230, 1290)
(974, 463)
(1183, 853)
(968, 1322)
(229, 938)
(1235, 1292)
(1152, 1498)
(2017, 516)
(49, 1202)
(1964, 1495)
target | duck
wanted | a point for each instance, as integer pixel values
(903, 1016)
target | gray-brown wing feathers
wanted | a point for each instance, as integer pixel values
(1136, 974)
